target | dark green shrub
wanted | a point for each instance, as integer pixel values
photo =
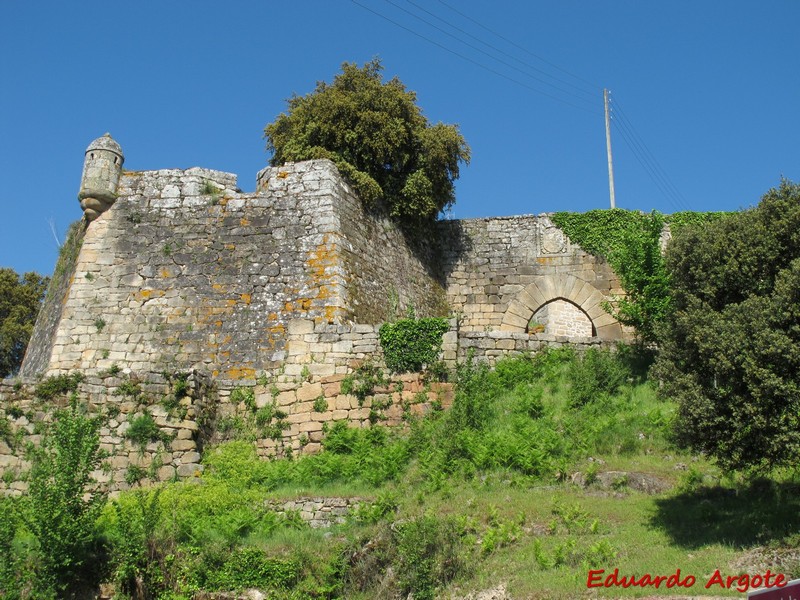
(730, 349)
(378, 138)
(20, 300)
(410, 344)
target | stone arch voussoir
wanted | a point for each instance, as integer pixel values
(567, 287)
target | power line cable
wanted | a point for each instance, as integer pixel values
(474, 62)
(580, 89)
(647, 166)
(654, 171)
(505, 39)
(624, 122)
(447, 33)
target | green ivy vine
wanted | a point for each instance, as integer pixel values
(631, 242)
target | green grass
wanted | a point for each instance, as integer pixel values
(474, 497)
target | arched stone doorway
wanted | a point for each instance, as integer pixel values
(567, 288)
(561, 317)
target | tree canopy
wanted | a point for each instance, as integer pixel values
(730, 351)
(378, 138)
(20, 300)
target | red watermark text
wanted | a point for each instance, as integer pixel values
(741, 583)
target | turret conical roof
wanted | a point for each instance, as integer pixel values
(106, 142)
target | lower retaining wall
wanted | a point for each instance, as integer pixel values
(321, 512)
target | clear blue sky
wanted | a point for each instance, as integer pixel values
(710, 90)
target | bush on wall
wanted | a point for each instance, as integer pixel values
(410, 344)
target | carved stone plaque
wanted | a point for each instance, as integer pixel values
(551, 239)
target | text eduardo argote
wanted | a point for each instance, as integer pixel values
(600, 578)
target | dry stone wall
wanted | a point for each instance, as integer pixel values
(121, 399)
(491, 346)
(303, 397)
(313, 388)
(318, 512)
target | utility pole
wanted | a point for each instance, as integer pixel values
(608, 149)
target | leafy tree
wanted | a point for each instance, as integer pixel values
(378, 138)
(730, 351)
(20, 300)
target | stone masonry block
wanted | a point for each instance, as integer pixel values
(512, 322)
(583, 294)
(604, 319)
(520, 310)
(310, 391)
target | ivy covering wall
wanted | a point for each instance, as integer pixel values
(631, 242)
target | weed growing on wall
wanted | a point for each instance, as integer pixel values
(363, 381)
(411, 344)
(143, 430)
(56, 385)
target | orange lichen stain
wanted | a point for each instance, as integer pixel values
(230, 302)
(282, 175)
(288, 307)
(544, 260)
(246, 298)
(218, 323)
(227, 339)
(324, 256)
(165, 273)
(272, 316)
(324, 292)
(217, 287)
(230, 246)
(330, 313)
(241, 373)
(244, 222)
(147, 294)
(215, 374)
(278, 329)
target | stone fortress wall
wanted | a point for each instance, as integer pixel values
(281, 292)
